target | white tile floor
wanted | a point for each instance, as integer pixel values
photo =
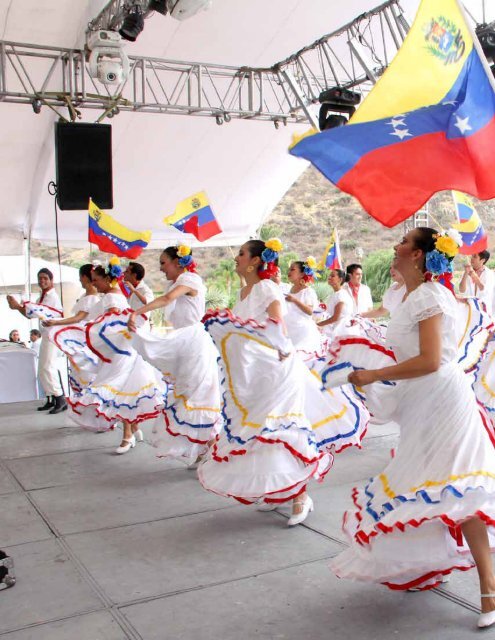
(113, 547)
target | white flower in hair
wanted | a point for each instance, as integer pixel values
(455, 235)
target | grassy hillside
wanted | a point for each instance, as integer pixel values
(304, 218)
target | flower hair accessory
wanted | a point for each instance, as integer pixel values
(114, 270)
(310, 269)
(269, 256)
(438, 261)
(185, 258)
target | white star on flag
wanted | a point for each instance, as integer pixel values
(397, 122)
(462, 124)
(401, 133)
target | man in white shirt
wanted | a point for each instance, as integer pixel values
(360, 293)
(141, 294)
(35, 341)
(47, 363)
(478, 280)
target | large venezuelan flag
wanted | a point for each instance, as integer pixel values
(469, 226)
(194, 215)
(427, 125)
(112, 237)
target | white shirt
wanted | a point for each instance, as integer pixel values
(487, 277)
(301, 327)
(364, 299)
(188, 310)
(144, 290)
(36, 346)
(50, 299)
(342, 295)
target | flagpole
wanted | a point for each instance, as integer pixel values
(477, 46)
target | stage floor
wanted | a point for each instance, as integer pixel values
(111, 547)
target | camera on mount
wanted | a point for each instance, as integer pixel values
(108, 62)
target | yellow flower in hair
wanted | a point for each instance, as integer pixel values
(311, 262)
(183, 250)
(114, 260)
(274, 244)
(447, 245)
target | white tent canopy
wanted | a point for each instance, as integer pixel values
(160, 159)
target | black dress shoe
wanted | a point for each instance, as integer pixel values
(49, 404)
(60, 405)
(7, 576)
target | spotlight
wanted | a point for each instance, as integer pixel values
(338, 101)
(36, 104)
(133, 24)
(158, 5)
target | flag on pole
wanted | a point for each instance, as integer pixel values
(427, 125)
(332, 258)
(470, 227)
(194, 215)
(112, 237)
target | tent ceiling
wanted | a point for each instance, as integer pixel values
(160, 159)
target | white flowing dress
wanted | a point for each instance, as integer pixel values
(341, 296)
(187, 359)
(404, 530)
(71, 340)
(125, 387)
(280, 429)
(301, 327)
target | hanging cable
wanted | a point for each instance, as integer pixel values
(52, 190)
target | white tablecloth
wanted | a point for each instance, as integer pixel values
(17, 374)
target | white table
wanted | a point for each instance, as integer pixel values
(17, 374)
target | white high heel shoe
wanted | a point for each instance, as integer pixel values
(138, 435)
(297, 518)
(486, 619)
(124, 449)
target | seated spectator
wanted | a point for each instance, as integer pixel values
(35, 340)
(15, 337)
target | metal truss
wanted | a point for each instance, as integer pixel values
(354, 56)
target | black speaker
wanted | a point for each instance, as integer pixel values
(83, 158)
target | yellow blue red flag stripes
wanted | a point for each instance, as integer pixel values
(427, 125)
(194, 215)
(112, 237)
(332, 258)
(469, 226)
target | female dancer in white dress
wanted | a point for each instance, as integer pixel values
(432, 509)
(340, 306)
(187, 359)
(280, 430)
(125, 388)
(301, 302)
(69, 339)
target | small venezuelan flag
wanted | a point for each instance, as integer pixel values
(112, 237)
(194, 215)
(469, 226)
(332, 258)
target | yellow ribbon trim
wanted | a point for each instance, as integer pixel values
(183, 399)
(468, 322)
(433, 483)
(124, 393)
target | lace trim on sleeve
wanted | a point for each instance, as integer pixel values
(429, 312)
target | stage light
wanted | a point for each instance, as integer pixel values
(133, 24)
(335, 102)
(158, 5)
(486, 36)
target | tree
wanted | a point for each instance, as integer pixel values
(268, 231)
(376, 268)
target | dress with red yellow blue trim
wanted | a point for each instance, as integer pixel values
(187, 359)
(280, 430)
(125, 387)
(404, 530)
